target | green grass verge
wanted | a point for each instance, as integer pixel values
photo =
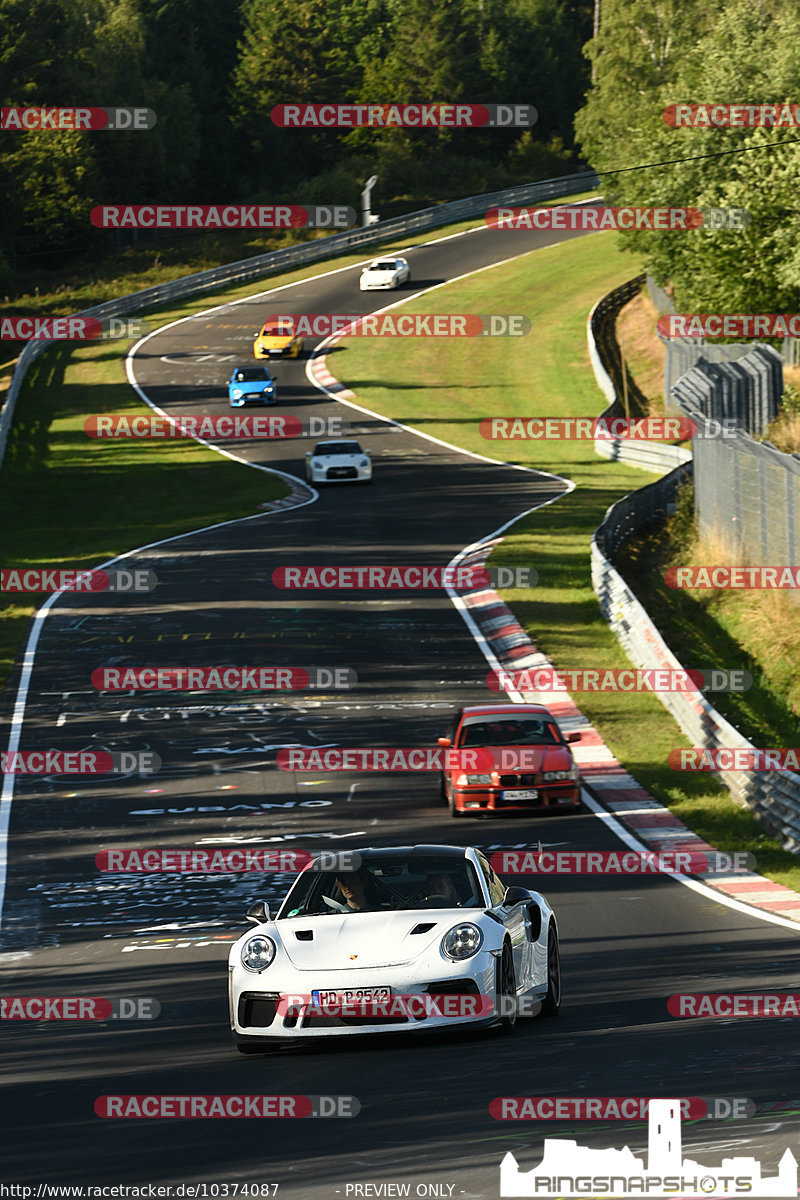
(70, 501)
(111, 497)
(703, 631)
(444, 387)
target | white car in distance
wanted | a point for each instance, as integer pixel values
(338, 462)
(383, 274)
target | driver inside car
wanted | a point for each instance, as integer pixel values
(357, 891)
(442, 886)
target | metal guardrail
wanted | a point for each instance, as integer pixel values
(291, 256)
(607, 364)
(774, 796)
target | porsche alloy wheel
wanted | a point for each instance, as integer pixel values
(507, 992)
(552, 1001)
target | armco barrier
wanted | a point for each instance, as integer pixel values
(774, 796)
(608, 367)
(291, 256)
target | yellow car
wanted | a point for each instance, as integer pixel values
(277, 340)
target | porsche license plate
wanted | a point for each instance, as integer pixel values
(521, 794)
(340, 996)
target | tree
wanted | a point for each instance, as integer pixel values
(746, 54)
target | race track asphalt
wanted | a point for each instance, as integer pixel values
(70, 930)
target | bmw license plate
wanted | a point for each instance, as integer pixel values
(521, 794)
(342, 996)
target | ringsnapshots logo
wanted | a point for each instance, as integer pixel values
(535, 861)
(402, 578)
(78, 1008)
(236, 1106)
(222, 216)
(378, 115)
(744, 326)
(732, 116)
(220, 428)
(392, 324)
(615, 1108)
(71, 329)
(728, 578)
(619, 679)
(78, 762)
(227, 861)
(111, 119)
(593, 218)
(568, 1170)
(52, 579)
(223, 678)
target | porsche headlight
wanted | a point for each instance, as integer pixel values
(462, 941)
(258, 952)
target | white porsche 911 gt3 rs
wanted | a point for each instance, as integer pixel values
(418, 938)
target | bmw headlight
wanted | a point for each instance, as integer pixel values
(258, 952)
(462, 941)
(549, 776)
(462, 780)
(237, 395)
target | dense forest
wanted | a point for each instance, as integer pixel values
(599, 72)
(653, 53)
(212, 70)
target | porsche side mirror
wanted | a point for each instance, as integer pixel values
(258, 912)
(444, 741)
(515, 895)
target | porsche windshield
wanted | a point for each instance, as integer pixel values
(386, 884)
(509, 731)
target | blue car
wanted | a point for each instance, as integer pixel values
(249, 385)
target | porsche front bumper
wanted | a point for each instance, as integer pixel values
(284, 1011)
